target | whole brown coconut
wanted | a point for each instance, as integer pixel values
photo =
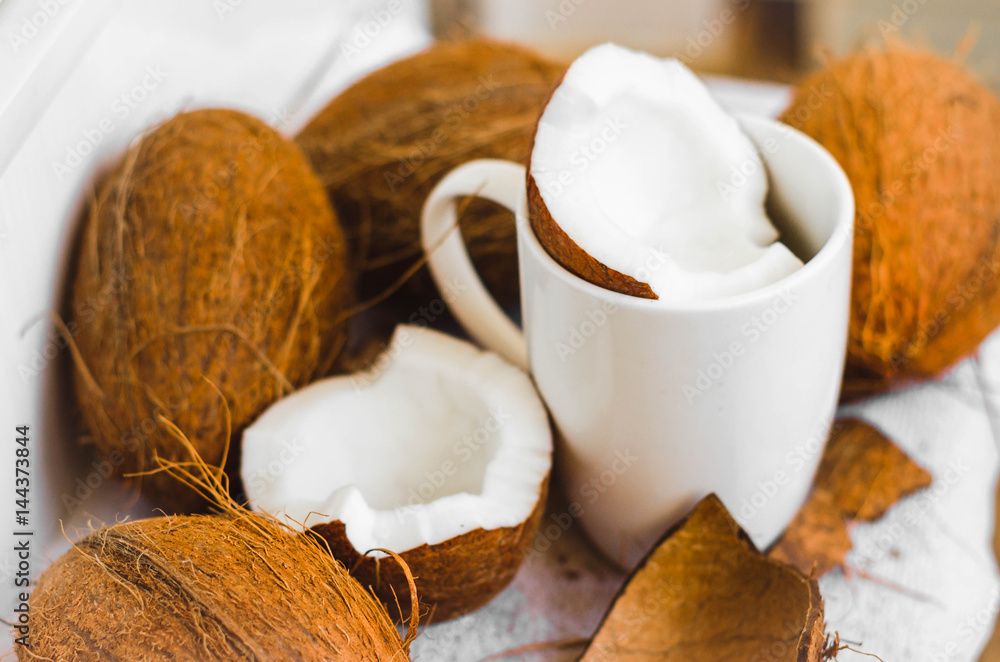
(452, 578)
(919, 139)
(382, 145)
(204, 588)
(211, 269)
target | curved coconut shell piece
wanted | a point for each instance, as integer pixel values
(211, 272)
(705, 594)
(453, 577)
(571, 257)
(202, 589)
(862, 474)
(381, 146)
(919, 139)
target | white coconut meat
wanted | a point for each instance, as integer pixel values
(437, 439)
(640, 166)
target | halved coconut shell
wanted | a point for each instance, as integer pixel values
(439, 452)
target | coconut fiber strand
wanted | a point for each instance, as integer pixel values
(202, 588)
(382, 145)
(211, 270)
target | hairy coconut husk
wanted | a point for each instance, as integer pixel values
(452, 578)
(233, 586)
(203, 587)
(705, 594)
(919, 139)
(384, 143)
(211, 269)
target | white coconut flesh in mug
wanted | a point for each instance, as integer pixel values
(437, 439)
(646, 173)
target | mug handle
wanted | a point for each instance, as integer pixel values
(503, 182)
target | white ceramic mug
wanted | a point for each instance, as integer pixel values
(659, 404)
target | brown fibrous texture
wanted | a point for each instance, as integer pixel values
(919, 139)
(381, 146)
(452, 578)
(235, 586)
(211, 270)
(705, 594)
(231, 586)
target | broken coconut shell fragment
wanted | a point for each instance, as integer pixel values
(705, 594)
(862, 474)
(439, 452)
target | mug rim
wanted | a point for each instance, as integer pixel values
(842, 233)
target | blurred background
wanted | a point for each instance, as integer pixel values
(767, 39)
(68, 67)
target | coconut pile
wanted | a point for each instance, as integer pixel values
(315, 495)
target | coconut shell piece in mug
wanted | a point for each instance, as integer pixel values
(705, 594)
(204, 588)
(381, 146)
(211, 271)
(626, 184)
(919, 139)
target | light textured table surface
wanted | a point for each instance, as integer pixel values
(925, 588)
(929, 590)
